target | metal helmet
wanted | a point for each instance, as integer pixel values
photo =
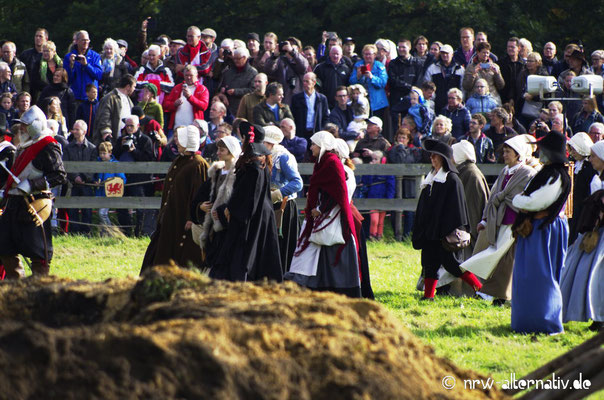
(35, 120)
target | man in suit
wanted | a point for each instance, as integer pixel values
(309, 108)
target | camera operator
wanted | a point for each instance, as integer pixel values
(224, 60)
(153, 129)
(287, 65)
(133, 145)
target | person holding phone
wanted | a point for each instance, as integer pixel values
(482, 67)
(83, 66)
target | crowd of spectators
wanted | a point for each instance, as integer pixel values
(383, 102)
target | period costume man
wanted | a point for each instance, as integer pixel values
(24, 225)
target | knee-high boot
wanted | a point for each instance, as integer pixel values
(429, 288)
(13, 267)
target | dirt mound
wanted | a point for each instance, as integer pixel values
(176, 334)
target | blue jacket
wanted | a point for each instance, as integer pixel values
(80, 75)
(297, 146)
(103, 176)
(285, 175)
(375, 87)
(378, 187)
(87, 111)
(460, 117)
(480, 104)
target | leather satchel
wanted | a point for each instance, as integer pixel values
(456, 240)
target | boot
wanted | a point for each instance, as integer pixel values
(429, 288)
(39, 267)
(13, 267)
(471, 280)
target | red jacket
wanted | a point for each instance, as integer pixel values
(199, 100)
(198, 56)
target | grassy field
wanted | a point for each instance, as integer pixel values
(470, 332)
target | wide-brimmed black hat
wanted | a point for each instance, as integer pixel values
(442, 149)
(246, 130)
(578, 55)
(554, 145)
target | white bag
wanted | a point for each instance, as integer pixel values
(328, 233)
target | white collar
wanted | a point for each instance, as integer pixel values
(579, 166)
(513, 169)
(440, 177)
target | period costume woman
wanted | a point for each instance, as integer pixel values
(582, 281)
(441, 210)
(207, 207)
(541, 230)
(579, 147)
(496, 223)
(250, 250)
(334, 264)
(172, 238)
(286, 182)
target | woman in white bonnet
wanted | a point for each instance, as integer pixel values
(579, 148)
(211, 196)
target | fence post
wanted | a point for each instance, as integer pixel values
(398, 229)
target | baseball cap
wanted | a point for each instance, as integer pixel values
(376, 121)
(446, 48)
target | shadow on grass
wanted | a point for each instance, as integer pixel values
(465, 331)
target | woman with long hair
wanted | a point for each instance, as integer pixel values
(44, 69)
(250, 250)
(326, 258)
(53, 112)
(588, 115)
(59, 88)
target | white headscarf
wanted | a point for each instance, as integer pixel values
(598, 149)
(188, 137)
(582, 143)
(520, 146)
(463, 151)
(325, 141)
(342, 148)
(233, 145)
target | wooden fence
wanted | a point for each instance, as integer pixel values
(398, 170)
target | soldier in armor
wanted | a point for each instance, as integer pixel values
(26, 198)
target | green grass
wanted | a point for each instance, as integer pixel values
(471, 332)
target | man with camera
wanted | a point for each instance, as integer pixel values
(83, 66)
(133, 145)
(287, 67)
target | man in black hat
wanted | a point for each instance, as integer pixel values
(441, 211)
(348, 50)
(250, 250)
(253, 45)
(542, 237)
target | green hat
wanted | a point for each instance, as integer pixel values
(151, 87)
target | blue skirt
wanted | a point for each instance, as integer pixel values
(536, 296)
(582, 282)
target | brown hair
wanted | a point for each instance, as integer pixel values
(106, 147)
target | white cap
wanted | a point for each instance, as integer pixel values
(446, 48)
(582, 143)
(342, 148)
(203, 125)
(520, 146)
(232, 144)
(463, 151)
(598, 149)
(376, 120)
(188, 137)
(273, 134)
(325, 141)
